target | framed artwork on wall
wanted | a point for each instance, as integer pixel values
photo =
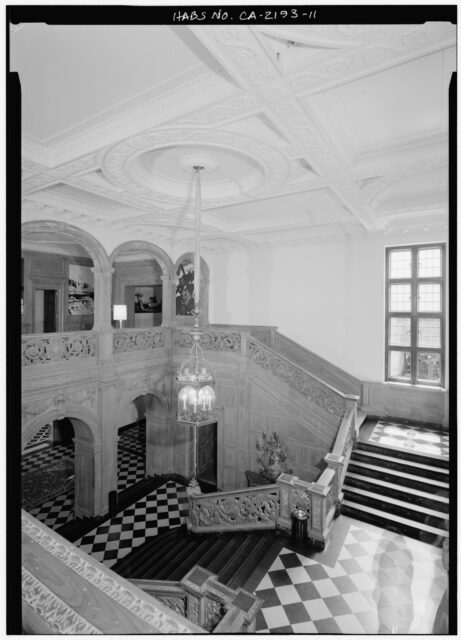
(148, 299)
(185, 288)
(81, 290)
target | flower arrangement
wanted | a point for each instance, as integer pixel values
(272, 456)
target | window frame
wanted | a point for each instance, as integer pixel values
(414, 280)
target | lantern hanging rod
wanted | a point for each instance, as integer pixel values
(198, 203)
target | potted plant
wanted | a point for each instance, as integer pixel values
(272, 457)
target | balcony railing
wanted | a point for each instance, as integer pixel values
(138, 339)
(42, 348)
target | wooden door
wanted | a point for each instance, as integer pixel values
(207, 453)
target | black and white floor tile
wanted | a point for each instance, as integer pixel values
(131, 468)
(38, 441)
(411, 438)
(381, 582)
(166, 507)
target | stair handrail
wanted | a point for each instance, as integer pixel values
(111, 604)
(236, 510)
(205, 601)
(273, 338)
(338, 459)
(277, 341)
(316, 390)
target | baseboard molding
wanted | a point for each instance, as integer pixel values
(402, 402)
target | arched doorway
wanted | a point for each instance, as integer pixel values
(131, 444)
(58, 283)
(143, 281)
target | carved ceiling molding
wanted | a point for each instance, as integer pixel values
(378, 48)
(273, 163)
(158, 111)
(396, 173)
(239, 51)
(242, 105)
(60, 173)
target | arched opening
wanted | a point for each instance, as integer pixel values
(59, 470)
(142, 280)
(131, 444)
(57, 278)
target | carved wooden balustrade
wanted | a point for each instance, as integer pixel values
(271, 506)
(215, 340)
(317, 366)
(42, 348)
(242, 509)
(138, 339)
(65, 591)
(308, 385)
(338, 459)
(203, 600)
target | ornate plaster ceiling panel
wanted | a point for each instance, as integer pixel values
(380, 109)
(114, 64)
(305, 131)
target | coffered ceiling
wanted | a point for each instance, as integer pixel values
(305, 132)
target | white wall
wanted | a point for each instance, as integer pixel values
(328, 296)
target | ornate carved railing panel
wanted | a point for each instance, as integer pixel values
(205, 601)
(243, 509)
(226, 340)
(55, 347)
(317, 366)
(309, 386)
(138, 339)
(92, 599)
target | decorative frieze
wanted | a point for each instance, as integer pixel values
(138, 340)
(101, 578)
(210, 340)
(56, 613)
(42, 349)
(311, 388)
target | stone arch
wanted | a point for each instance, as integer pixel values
(102, 292)
(94, 247)
(204, 284)
(166, 264)
(88, 455)
(88, 427)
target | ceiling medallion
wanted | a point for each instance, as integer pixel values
(157, 164)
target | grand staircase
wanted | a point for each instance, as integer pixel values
(398, 490)
(232, 557)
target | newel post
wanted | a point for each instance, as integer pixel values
(320, 505)
(285, 483)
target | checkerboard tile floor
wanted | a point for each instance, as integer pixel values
(166, 507)
(411, 438)
(381, 582)
(131, 468)
(46, 457)
(57, 511)
(40, 439)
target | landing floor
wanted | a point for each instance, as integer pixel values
(403, 436)
(366, 581)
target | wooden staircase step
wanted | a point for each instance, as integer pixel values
(420, 531)
(410, 466)
(435, 461)
(391, 505)
(398, 477)
(399, 492)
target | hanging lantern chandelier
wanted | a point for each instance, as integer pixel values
(196, 377)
